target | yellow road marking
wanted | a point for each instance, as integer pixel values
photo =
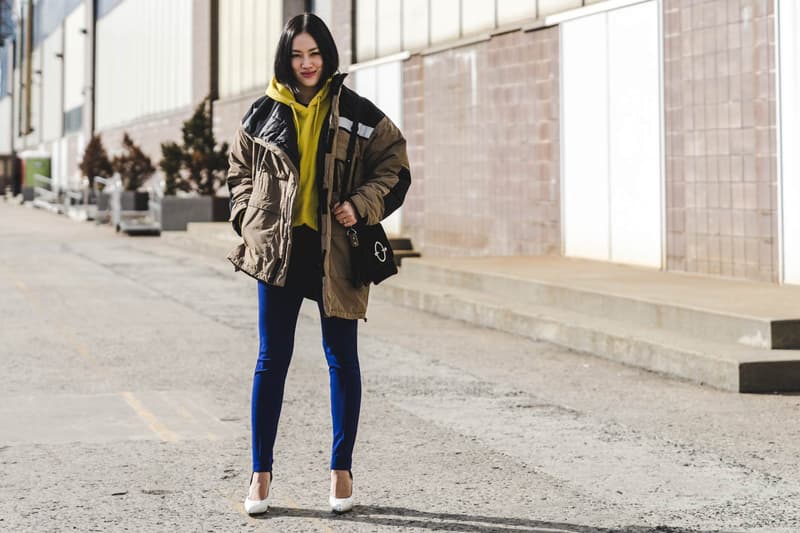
(178, 405)
(78, 346)
(149, 418)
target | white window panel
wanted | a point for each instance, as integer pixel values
(445, 20)
(476, 16)
(383, 85)
(390, 91)
(585, 137)
(634, 110)
(366, 22)
(389, 15)
(789, 66)
(610, 102)
(509, 11)
(390, 101)
(548, 7)
(367, 84)
(415, 24)
(74, 58)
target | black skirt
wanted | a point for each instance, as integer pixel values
(305, 263)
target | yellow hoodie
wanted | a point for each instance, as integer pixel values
(308, 121)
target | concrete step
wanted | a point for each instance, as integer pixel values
(728, 366)
(718, 310)
(399, 255)
(400, 243)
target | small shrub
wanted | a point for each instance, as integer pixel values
(95, 160)
(133, 165)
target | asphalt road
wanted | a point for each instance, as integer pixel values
(125, 374)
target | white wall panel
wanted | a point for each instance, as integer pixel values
(415, 24)
(584, 79)
(6, 120)
(390, 36)
(324, 10)
(789, 65)
(634, 127)
(248, 36)
(548, 7)
(444, 20)
(509, 11)
(50, 80)
(143, 60)
(476, 16)
(366, 36)
(74, 58)
(248, 43)
(262, 44)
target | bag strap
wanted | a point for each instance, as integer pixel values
(351, 148)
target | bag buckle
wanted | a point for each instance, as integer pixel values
(352, 235)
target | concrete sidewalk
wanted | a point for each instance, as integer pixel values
(735, 335)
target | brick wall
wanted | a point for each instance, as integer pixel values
(148, 133)
(482, 126)
(721, 138)
(228, 114)
(414, 131)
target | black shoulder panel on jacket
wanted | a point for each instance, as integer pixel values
(273, 122)
(258, 112)
(368, 113)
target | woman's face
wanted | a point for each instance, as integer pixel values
(306, 61)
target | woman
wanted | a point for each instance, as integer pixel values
(294, 191)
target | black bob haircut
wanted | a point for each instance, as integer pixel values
(312, 25)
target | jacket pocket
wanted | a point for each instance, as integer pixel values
(261, 222)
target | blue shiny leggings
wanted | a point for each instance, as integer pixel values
(278, 308)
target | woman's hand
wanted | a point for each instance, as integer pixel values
(345, 213)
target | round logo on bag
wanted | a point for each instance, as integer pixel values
(380, 251)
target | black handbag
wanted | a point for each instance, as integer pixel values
(371, 255)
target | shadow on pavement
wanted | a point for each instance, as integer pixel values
(402, 517)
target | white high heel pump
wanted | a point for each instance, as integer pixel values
(342, 505)
(257, 506)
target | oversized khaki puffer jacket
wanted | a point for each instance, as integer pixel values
(263, 179)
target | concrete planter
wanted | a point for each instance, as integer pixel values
(103, 201)
(134, 200)
(177, 212)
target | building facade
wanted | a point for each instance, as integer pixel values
(646, 132)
